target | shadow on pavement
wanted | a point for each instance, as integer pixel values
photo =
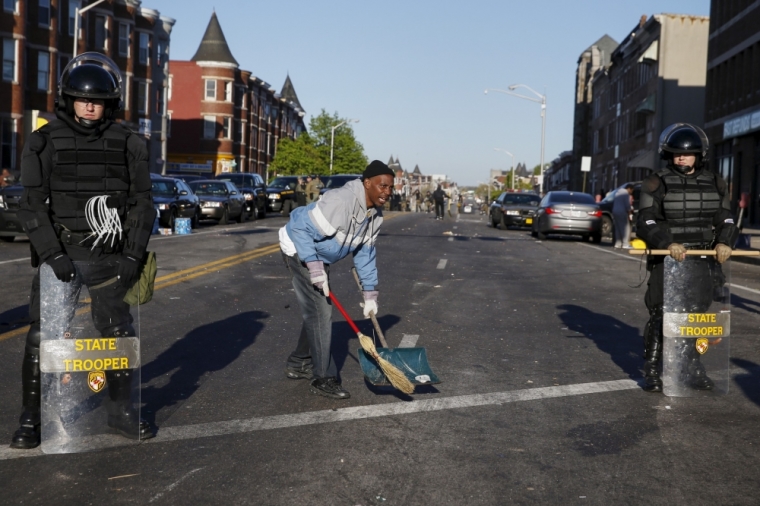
(623, 343)
(16, 317)
(203, 350)
(249, 231)
(739, 302)
(342, 334)
(749, 381)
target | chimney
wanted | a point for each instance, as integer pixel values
(643, 20)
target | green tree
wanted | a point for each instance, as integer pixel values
(348, 155)
(310, 152)
(296, 157)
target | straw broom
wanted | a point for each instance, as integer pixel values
(397, 378)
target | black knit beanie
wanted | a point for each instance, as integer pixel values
(376, 168)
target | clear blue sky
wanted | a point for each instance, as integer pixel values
(414, 72)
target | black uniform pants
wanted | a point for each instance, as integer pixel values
(653, 297)
(439, 209)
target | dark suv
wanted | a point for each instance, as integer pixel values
(253, 189)
(514, 209)
(281, 194)
(174, 199)
(10, 226)
(337, 181)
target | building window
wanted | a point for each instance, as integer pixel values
(254, 137)
(8, 143)
(210, 89)
(142, 97)
(9, 60)
(209, 127)
(43, 13)
(125, 83)
(228, 91)
(10, 6)
(43, 70)
(123, 39)
(73, 6)
(62, 62)
(226, 128)
(144, 53)
(101, 36)
(238, 133)
(159, 53)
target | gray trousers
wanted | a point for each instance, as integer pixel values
(622, 230)
(313, 348)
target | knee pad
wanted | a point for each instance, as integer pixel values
(122, 330)
(33, 340)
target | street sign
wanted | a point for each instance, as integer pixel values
(586, 164)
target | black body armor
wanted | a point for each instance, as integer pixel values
(84, 168)
(689, 205)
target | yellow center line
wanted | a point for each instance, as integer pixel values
(180, 276)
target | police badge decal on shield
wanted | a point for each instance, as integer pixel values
(702, 344)
(96, 380)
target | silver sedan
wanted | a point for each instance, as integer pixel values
(568, 213)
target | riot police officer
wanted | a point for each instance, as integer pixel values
(683, 206)
(80, 155)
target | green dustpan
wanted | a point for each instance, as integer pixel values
(412, 362)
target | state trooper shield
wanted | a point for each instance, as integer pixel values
(696, 327)
(89, 361)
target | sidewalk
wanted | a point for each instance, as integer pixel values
(754, 234)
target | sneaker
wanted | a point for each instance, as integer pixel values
(328, 387)
(296, 374)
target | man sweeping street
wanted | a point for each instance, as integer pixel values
(345, 221)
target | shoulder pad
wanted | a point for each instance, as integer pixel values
(38, 140)
(118, 126)
(651, 183)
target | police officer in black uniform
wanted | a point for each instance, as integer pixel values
(80, 155)
(684, 206)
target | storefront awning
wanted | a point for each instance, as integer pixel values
(646, 160)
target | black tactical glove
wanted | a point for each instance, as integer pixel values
(129, 269)
(62, 267)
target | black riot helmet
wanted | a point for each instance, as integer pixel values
(684, 138)
(90, 75)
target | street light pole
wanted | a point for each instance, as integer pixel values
(78, 12)
(541, 100)
(513, 165)
(332, 138)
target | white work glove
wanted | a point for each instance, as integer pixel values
(370, 303)
(318, 276)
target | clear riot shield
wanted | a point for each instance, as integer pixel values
(696, 327)
(89, 361)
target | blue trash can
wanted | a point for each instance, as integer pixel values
(182, 226)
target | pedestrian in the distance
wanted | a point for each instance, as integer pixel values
(439, 196)
(301, 192)
(346, 221)
(621, 215)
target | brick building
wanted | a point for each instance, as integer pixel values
(557, 177)
(595, 57)
(655, 77)
(224, 119)
(38, 41)
(732, 104)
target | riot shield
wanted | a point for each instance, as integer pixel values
(89, 361)
(696, 327)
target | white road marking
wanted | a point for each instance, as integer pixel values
(408, 341)
(16, 260)
(451, 239)
(173, 485)
(189, 432)
(442, 263)
(740, 287)
(627, 257)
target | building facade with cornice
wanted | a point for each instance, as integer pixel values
(223, 118)
(38, 42)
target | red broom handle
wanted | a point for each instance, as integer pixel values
(343, 312)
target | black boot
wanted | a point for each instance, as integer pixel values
(28, 435)
(122, 416)
(694, 373)
(653, 351)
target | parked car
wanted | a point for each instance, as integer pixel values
(220, 200)
(606, 206)
(187, 177)
(254, 191)
(10, 226)
(562, 212)
(514, 209)
(281, 194)
(174, 199)
(336, 181)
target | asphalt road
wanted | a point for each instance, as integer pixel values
(538, 345)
